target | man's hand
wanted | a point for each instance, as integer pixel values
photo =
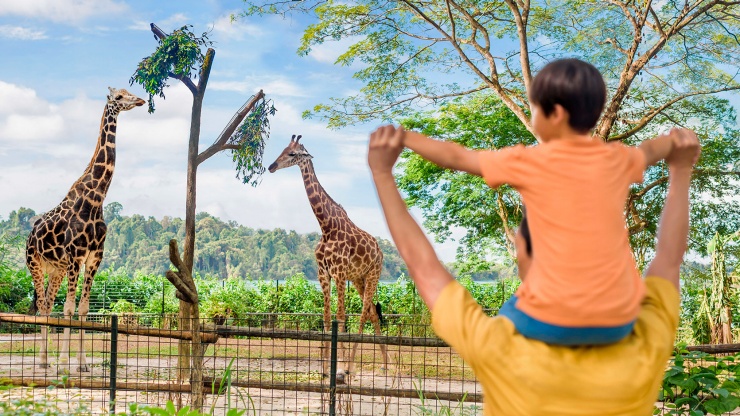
(386, 143)
(686, 149)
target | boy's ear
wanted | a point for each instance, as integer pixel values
(559, 114)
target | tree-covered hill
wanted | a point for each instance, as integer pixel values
(223, 249)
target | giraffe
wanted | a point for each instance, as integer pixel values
(72, 234)
(345, 252)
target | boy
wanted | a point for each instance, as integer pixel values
(582, 286)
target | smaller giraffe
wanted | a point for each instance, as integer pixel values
(72, 234)
(345, 252)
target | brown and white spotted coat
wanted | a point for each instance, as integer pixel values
(72, 234)
(345, 252)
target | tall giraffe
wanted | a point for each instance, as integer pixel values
(72, 234)
(345, 252)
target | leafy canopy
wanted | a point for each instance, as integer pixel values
(250, 138)
(178, 55)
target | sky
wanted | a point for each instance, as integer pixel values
(61, 55)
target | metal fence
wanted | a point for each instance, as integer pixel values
(275, 367)
(263, 364)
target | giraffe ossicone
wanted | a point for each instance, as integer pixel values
(72, 234)
(344, 253)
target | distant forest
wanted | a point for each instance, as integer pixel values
(223, 249)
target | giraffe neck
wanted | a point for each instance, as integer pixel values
(99, 172)
(324, 207)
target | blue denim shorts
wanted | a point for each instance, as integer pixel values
(562, 335)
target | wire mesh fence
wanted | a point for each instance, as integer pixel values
(261, 363)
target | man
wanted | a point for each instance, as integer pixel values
(521, 376)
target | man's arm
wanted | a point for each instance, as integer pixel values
(445, 154)
(427, 272)
(674, 222)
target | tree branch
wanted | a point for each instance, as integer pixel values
(160, 35)
(640, 124)
(178, 278)
(220, 143)
(521, 17)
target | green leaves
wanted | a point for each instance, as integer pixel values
(177, 55)
(250, 136)
(698, 384)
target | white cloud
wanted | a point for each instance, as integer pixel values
(17, 99)
(271, 85)
(175, 21)
(228, 30)
(21, 33)
(62, 11)
(329, 51)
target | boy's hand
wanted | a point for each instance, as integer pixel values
(685, 150)
(386, 143)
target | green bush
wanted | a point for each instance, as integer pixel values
(698, 383)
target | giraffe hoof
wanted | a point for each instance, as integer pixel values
(83, 369)
(44, 366)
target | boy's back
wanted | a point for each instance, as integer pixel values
(582, 272)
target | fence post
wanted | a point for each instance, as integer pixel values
(333, 369)
(113, 361)
(161, 318)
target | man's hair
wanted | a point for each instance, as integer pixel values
(524, 230)
(575, 85)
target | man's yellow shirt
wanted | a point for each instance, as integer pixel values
(521, 376)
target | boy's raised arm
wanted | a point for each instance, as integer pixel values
(674, 222)
(427, 272)
(445, 154)
(658, 148)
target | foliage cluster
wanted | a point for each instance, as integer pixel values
(250, 136)
(177, 55)
(698, 383)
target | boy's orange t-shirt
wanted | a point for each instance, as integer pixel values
(582, 272)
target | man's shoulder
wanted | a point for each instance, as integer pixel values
(461, 322)
(659, 315)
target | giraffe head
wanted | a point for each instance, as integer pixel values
(122, 100)
(294, 154)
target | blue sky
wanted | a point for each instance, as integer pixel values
(61, 55)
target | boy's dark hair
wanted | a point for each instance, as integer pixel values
(575, 85)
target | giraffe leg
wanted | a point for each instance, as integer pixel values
(37, 274)
(56, 277)
(91, 267)
(370, 311)
(73, 274)
(325, 283)
(341, 285)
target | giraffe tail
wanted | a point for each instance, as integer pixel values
(34, 308)
(379, 311)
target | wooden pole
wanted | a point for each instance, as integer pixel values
(347, 389)
(207, 337)
(715, 349)
(226, 331)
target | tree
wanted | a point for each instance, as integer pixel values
(664, 64)
(178, 56)
(723, 296)
(112, 211)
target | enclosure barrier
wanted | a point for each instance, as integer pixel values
(257, 350)
(226, 334)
